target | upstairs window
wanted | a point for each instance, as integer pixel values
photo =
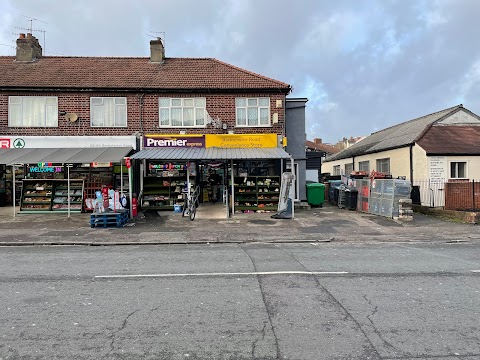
(32, 111)
(383, 165)
(336, 170)
(254, 112)
(458, 170)
(182, 112)
(108, 111)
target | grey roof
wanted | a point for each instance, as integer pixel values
(394, 137)
(210, 154)
(63, 155)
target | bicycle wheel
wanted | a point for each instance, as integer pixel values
(193, 211)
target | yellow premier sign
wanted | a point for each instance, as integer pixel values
(245, 141)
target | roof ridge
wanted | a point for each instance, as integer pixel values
(421, 117)
(251, 73)
(107, 57)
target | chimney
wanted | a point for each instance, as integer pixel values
(317, 141)
(157, 51)
(28, 48)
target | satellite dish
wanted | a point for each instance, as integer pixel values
(72, 117)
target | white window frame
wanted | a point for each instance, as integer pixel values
(246, 107)
(465, 163)
(347, 167)
(48, 108)
(124, 99)
(382, 160)
(336, 170)
(361, 166)
(195, 107)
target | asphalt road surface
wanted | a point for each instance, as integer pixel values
(249, 301)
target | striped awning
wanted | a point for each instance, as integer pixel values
(63, 155)
(210, 154)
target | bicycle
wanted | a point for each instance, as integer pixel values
(190, 203)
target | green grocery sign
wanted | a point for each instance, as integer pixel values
(18, 143)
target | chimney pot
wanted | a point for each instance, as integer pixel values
(29, 35)
(21, 36)
(317, 141)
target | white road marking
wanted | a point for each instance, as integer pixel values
(224, 274)
(475, 271)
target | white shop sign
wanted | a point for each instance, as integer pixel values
(437, 167)
(52, 142)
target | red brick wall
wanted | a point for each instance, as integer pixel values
(462, 196)
(218, 105)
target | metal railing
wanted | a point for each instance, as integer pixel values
(461, 194)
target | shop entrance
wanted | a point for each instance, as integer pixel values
(244, 180)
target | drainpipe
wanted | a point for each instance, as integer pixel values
(292, 190)
(13, 188)
(353, 163)
(140, 99)
(411, 164)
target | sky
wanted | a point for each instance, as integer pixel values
(364, 65)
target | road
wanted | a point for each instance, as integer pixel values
(241, 301)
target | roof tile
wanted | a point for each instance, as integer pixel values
(395, 136)
(130, 73)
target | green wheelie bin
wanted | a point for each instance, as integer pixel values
(316, 194)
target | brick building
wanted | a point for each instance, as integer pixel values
(96, 110)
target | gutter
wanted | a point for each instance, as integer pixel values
(370, 152)
(149, 90)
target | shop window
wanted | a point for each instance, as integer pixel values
(364, 166)
(336, 170)
(184, 112)
(32, 111)
(252, 112)
(383, 165)
(348, 169)
(458, 170)
(108, 112)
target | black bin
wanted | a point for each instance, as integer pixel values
(415, 195)
(333, 192)
(351, 196)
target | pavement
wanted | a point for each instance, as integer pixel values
(325, 224)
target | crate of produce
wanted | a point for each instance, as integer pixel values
(109, 219)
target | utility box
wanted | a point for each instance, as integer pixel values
(316, 194)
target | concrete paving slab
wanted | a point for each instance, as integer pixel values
(321, 224)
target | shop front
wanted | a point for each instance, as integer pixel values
(239, 172)
(62, 173)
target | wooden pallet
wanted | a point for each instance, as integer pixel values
(109, 219)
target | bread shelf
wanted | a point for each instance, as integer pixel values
(54, 195)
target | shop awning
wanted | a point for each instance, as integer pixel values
(63, 155)
(210, 154)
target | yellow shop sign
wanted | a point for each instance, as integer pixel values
(246, 141)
